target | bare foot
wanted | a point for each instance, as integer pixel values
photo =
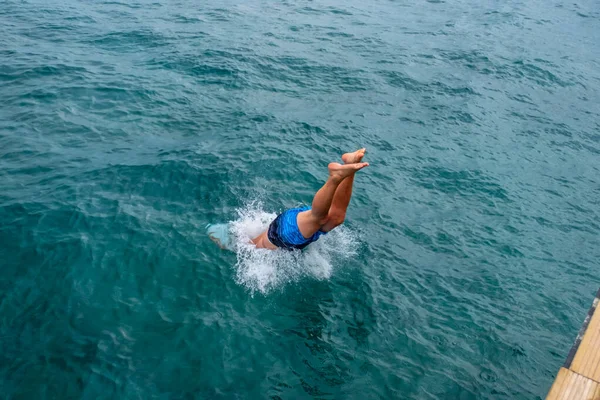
(352, 158)
(339, 171)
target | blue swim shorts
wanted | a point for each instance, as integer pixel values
(284, 232)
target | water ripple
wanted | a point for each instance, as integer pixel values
(470, 249)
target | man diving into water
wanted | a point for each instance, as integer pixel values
(298, 227)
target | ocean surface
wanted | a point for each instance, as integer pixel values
(471, 249)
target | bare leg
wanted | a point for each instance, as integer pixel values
(341, 199)
(312, 220)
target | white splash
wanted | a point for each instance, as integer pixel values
(264, 270)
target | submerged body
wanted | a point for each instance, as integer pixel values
(297, 228)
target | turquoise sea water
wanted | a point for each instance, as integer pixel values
(470, 253)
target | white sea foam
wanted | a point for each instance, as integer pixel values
(264, 270)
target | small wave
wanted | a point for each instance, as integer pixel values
(265, 270)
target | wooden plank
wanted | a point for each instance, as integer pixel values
(590, 388)
(596, 375)
(557, 387)
(592, 352)
(576, 382)
(572, 386)
(567, 387)
(585, 388)
(594, 349)
(596, 395)
(579, 378)
(580, 387)
(582, 330)
(587, 357)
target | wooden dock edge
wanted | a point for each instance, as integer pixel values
(579, 377)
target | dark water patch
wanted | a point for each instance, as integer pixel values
(220, 14)
(538, 74)
(185, 19)
(19, 74)
(107, 96)
(340, 34)
(304, 73)
(129, 41)
(400, 80)
(461, 117)
(452, 91)
(215, 67)
(184, 181)
(464, 182)
(324, 11)
(86, 19)
(131, 5)
(531, 71)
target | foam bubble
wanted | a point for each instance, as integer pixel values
(264, 270)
